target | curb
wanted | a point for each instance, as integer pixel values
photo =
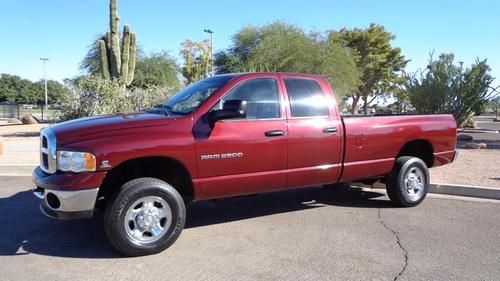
(466, 190)
(453, 189)
(462, 131)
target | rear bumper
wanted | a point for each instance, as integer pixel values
(445, 157)
(61, 201)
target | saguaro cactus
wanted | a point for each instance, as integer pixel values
(117, 61)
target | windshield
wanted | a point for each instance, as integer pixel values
(190, 98)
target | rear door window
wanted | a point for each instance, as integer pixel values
(306, 98)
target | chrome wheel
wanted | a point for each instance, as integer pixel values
(414, 184)
(148, 219)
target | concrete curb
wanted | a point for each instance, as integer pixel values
(437, 188)
(466, 190)
(455, 189)
(465, 131)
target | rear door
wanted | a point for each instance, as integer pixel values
(242, 156)
(314, 132)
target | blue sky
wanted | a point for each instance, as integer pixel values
(62, 29)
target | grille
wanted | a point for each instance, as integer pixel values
(48, 151)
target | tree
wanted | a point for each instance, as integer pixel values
(196, 56)
(15, 89)
(380, 63)
(287, 48)
(444, 87)
(56, 92)
(158, 70)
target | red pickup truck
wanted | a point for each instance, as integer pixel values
(223, 136)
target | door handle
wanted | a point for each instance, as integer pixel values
(330, 130)
(274, 133)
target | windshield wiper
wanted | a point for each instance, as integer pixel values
(167, 109)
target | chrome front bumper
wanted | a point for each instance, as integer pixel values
(67, 204)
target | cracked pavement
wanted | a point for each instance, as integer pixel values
(398, 241)
(315, 233)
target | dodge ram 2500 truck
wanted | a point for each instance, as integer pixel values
(223, 136)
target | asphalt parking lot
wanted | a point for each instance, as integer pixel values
(305, 234)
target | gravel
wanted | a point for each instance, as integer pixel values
(479, 167)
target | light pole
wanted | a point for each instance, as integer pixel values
(211, 50)
(45, 79)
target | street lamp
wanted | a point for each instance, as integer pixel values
(211, 50)
(45, 79)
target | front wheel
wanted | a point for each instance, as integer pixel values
(145, 217)
(408, 183)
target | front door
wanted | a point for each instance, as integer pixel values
(244, 156)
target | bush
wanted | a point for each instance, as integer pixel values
(448, 88)
(96, 96)
(141, 99)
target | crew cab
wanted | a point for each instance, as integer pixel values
(228, 135)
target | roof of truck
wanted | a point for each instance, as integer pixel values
(296, 74)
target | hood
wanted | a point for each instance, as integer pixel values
(108, 123)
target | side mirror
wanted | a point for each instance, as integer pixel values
(230, 109)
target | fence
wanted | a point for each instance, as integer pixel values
(15, 110)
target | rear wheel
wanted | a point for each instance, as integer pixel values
(145, 217)
(408, 183)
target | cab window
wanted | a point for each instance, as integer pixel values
(306, 98)
(262, 98)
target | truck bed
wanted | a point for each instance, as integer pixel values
(373, 143)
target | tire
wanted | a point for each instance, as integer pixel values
(408, 183)
(145, 217)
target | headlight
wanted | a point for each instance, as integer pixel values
(75, 161)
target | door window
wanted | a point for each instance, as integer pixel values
(306, 98)
(262, 98)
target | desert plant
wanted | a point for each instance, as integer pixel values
(93, 95)
(144, 98)
(117, 60)
(445, 87)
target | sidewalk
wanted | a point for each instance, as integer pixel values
(20, 148)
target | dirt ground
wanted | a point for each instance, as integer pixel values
(479, 167)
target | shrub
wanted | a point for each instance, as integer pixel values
(448, 88)
(96, 96)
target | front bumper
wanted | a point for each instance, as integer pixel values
(67, 196)
(67, 205)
